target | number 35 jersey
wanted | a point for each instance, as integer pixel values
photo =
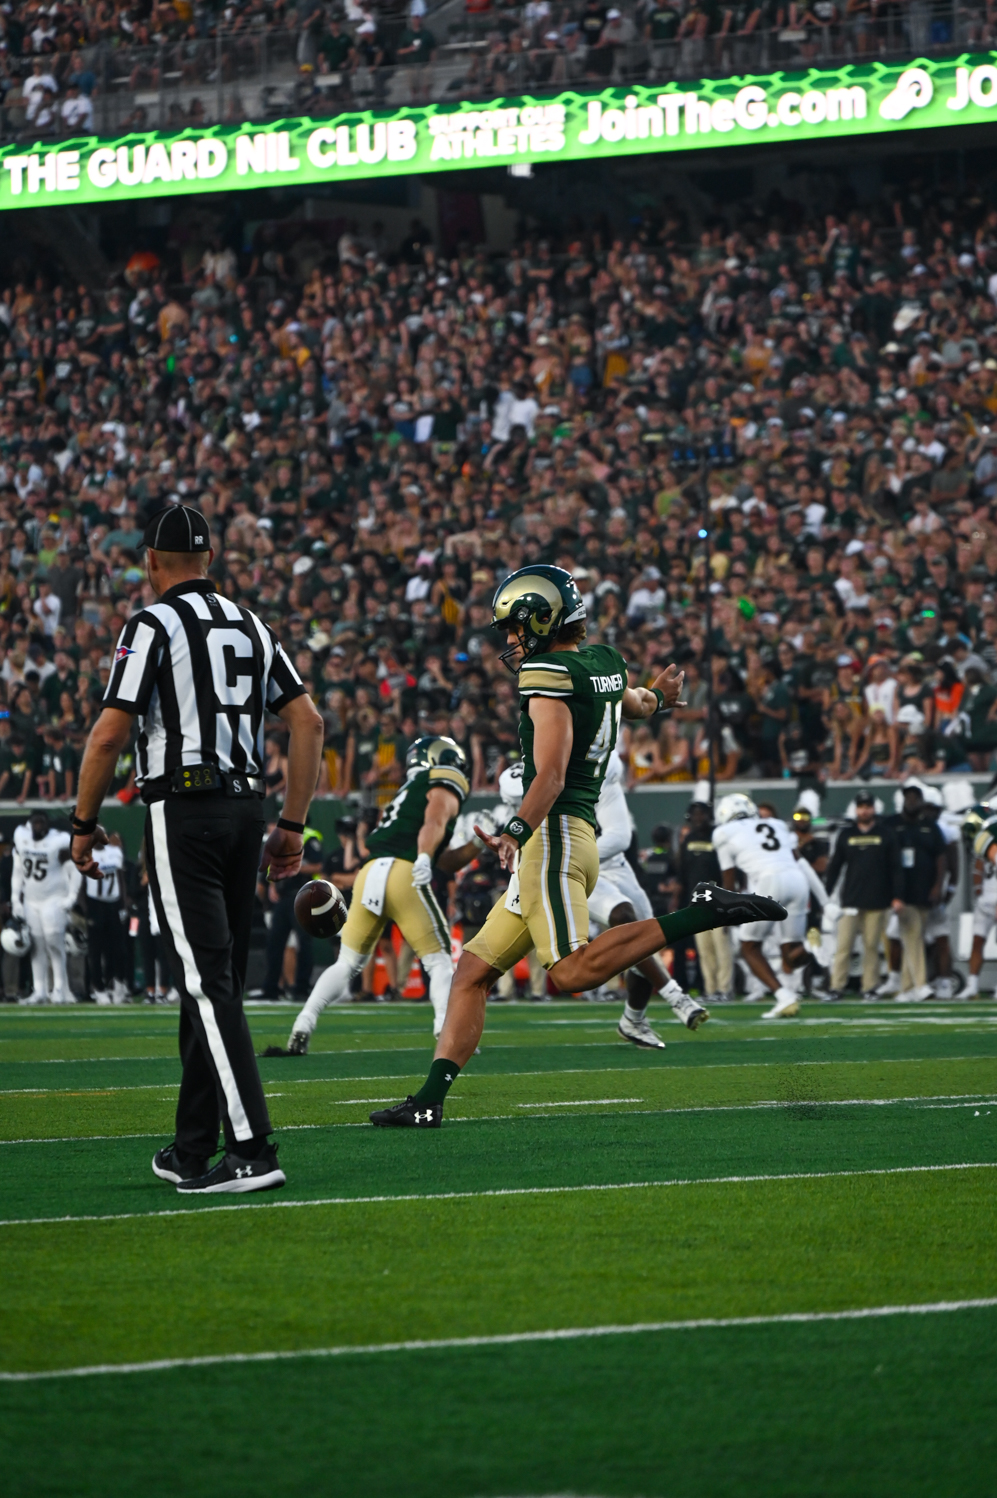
(755, 847)
(591, 681)
(42, 874)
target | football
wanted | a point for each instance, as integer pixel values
(320, 908)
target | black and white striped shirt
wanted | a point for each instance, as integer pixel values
(199, 672)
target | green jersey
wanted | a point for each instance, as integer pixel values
(397, 833)
(591, 681)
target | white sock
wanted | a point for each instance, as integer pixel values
(671, 992)
(972, 987)
(439, 969)
(635, 1016)
(784, 993)
(793, 980)
(331, 987)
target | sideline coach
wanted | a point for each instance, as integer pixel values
(199, 673)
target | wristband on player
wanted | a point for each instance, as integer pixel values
(659, 697)
(518, 830)
(287, 826)
(83, 828)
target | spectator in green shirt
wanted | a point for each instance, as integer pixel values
(416, 51)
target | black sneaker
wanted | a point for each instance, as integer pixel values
(166, 1165)
(735, 907)
(296, 1046)
(409, 1115)
(233, 1173)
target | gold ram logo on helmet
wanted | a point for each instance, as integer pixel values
(528, 591)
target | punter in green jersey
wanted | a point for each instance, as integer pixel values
(572, 696)
(395, 884)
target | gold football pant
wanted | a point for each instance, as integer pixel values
(558, 869)
(415, 912)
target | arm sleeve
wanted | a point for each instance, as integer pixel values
(136, 661)
(813, 879)
(283, 683)
(614, 822)
(544, 678)
(16, 881)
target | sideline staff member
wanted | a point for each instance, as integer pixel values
(199, 672)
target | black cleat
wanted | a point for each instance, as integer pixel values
(736, 907)
(166, 1165)
(409, 1115)
(296, 1046)
(234, 1174)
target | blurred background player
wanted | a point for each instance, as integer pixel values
(923, 865)
(867, 855)
(936, 928)
(105, 932)
(44, 886)
(763, 850)
(282, 924)
(697, 864)
(395, 884)
(619, 898)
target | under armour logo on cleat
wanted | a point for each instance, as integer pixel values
(244, 1170)
(426, 1117)
(701, 894)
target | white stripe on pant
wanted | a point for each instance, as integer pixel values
(192, 978)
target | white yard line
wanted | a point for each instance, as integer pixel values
(512, 1339)
(590, 1102)
(270, 1204)
(555, 1071)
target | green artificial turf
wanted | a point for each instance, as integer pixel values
(876, 1103)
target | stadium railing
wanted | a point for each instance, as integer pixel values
(264, 74)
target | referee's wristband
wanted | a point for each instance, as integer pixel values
(518, 830)
(287, 826)
(83, 828)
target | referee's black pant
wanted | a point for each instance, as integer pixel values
(203, 852)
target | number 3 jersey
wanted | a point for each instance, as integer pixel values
(755, 847)
(591, 680)
(38, 873)
(397, 833)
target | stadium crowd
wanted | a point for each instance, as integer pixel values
(378, 439)
(57, 60)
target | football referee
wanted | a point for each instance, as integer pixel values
(199, 672)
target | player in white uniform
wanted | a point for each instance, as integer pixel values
(105, 936)
(936, 927)
(763, 850)
(44, 886)
(618, 898)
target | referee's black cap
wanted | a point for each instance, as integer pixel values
(178, 528)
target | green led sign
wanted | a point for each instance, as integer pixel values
(860, 99)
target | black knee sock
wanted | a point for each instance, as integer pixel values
(639, 990)
(442, 1075)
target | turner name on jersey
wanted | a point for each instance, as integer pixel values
(755, 847)
(42, 872)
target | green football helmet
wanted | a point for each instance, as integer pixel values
(979, 828)
(428, 751)
(535, 604)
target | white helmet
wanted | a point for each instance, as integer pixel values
(933, 796)
(511, 784)
(15, 938)
(733, 808)
(76, 940)
(958, 796)
(808, 801)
